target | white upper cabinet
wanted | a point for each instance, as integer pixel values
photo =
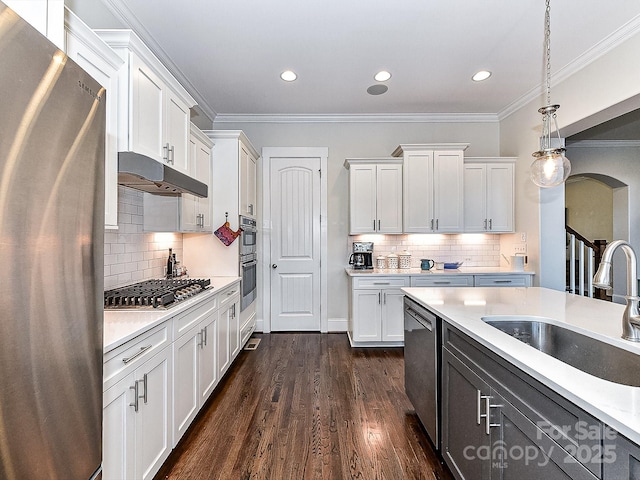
(489, 195)
(248, 173)
(46, 16)
(153, 107)
(185, 213)
(102, 63)
(375, 195)
(196, 211)
(234, 174)
(433, 187)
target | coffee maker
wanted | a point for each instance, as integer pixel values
(362, 256)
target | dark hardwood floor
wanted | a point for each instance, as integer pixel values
(308, 406)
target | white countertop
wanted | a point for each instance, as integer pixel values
(614, 404)
(120, 326)
(417, 271)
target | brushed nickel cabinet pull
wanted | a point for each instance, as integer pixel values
(137, 354)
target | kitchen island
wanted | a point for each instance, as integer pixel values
(615, 405)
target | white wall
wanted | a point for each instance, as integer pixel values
(606, 88)
(353, 140)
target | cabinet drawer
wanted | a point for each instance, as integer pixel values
(125, 358)
(438, 280)
(502, 281)
(228, 295)
(381, 282)
(186, 320)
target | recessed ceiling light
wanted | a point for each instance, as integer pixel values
(382, 76)
(377, 89)
(288, 76)
(481, 75)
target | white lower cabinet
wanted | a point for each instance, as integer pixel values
(228, 343)
(137, 417)
(376, 310)
(156, 383)
(194, 363)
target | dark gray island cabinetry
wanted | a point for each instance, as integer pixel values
(499, 423)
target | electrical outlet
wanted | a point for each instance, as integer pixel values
(523, 237)
(520, 248)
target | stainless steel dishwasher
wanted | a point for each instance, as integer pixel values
(421, 365)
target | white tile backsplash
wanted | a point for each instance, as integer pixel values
(131, 255)
(475, 250)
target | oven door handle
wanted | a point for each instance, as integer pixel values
(249, 264)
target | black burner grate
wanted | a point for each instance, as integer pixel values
(154, 293)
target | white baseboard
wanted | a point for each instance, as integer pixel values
(338, 325)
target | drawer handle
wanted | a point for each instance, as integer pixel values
(137, 354)
(231, 293)
(502, 281)
(382, 283)
(441, 283)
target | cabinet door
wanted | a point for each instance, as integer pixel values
(465, 443)
(418, 192)
(208, 373)
(362, 199)
(202, 171)
(234, 329)
(146, 111)
(389, 198)
(185, 380)
(523, 451)
(475, 198)
(392, 316)
(500, 197)
(118, 431)
(621, 458)
(153, 420)
(177, 126)
(247, 182)
(190, 203)
(366, 315)
(448, 182)
(222, 340)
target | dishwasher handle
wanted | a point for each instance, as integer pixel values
(418, 317)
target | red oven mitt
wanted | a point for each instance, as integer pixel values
(226, 235)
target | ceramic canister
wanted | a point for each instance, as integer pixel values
(405, 259)
(392, 260)
(381, 262)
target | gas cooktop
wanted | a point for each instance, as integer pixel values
(162, 293)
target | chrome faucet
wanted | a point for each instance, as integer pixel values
(602, 279)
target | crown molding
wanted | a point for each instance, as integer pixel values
(359, 118)
(123, 13)
(604, 144)
(628, 30)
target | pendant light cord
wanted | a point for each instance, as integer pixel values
(547, 41)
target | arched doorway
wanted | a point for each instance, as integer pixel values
(597, 206)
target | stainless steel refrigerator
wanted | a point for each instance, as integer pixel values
(52, 125)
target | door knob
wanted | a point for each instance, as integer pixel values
(274, 266)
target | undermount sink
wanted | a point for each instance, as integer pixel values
(585, 353)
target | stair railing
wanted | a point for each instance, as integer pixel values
(582, 256)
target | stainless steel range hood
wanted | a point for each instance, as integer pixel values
(146, 174)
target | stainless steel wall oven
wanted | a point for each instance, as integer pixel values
(248, 261)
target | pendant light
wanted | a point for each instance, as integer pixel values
(550, 167)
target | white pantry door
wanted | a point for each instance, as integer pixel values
(295, 244)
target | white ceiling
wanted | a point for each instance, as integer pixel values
(232, 52)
